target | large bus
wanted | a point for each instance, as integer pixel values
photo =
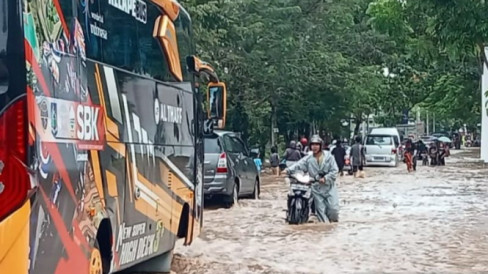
(101, 125)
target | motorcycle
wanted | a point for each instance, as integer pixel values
(300, 197)
(425, 158)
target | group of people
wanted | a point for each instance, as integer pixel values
(315, 157)
(292, 154)
(414, 151)
(318, 161)
(298, 150)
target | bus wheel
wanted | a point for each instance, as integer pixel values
(96, 262)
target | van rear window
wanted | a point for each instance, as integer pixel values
(382, 140)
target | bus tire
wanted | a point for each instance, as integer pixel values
(184, 222)
(102, 244)
(96, 264)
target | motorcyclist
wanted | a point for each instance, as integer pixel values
(292, 154)
(324, 190)
(422, 150)
(305, 148)
(433, 154)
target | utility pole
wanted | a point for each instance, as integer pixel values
(484, 116)
(433, 122)
(428, 125)
(273, 122)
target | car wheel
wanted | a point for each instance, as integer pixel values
(233, 199)
(257, 190)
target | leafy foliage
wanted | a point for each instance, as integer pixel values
(310, 64)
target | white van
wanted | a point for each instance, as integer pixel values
(380, 150)
(389, 131)
(393, 132)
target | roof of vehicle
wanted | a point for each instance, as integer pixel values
(221, 133)
(389, 130)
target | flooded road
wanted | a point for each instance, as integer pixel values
(433, 220)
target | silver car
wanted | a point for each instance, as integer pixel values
(230, 171)
(380, 150)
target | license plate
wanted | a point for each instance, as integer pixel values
(379, 158)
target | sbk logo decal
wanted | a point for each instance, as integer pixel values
(71, 122)
(87, 123)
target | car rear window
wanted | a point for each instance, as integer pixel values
(212, 145)
(382, 140)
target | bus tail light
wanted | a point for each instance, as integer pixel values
(222, 163)
(15, 183)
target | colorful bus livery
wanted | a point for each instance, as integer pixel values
(101, 165)
(69, 121)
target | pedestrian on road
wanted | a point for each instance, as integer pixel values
(358, 158)
(325, 195)
(274, 160)
(339, 153)
(258, 163)
(409, 155)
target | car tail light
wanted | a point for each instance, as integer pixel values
(393, 150)
(15, 185)
(222, 163)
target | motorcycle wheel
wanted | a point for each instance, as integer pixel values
(292, 213)
(295, 211)
(305, 214)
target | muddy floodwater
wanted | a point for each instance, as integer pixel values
(433, 220)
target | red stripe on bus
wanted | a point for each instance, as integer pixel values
(58, 162)
(61, 17)
(52, 147)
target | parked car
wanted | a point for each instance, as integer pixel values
(230, 172)
(427, 140)
(381, 150)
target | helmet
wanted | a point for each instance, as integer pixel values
(315, 140)
(304, 141)
(299, 146)
(293, 144)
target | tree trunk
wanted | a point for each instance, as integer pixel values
(358, 122)
(483, 57)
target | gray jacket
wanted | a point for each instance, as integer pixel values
(357, 154)
(310, 165)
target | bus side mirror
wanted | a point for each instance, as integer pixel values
(217, 103)
(201, 69)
